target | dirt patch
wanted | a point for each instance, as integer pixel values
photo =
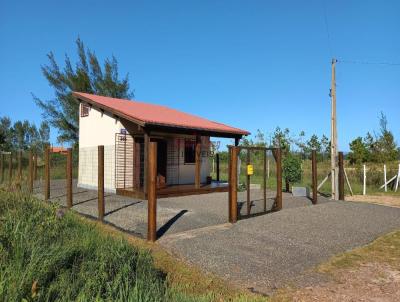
(368, 282)
(391, 201)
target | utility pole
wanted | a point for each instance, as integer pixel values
(334, 149)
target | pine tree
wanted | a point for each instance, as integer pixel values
(87, 76)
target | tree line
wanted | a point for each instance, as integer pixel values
(23, 135)
(379, 147)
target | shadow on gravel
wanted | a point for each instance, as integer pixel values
(87, 200)
(161, 231)
(120, 208)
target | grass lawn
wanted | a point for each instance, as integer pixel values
(49, 254)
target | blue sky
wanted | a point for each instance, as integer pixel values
(252, 64)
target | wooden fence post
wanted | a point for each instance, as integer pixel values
(314, 176)
(265, 180)
(100, 183)
(278, 202)
(384, 177)
(47, 173)
(248, 183)
(197, 163)
(19, 180)
(35, 166)
(152, 193)
(30, 171)
(69, 178)
(341, 176)
(365, 180)
(217, 164)
(20, 165)
(233, 169)
(10, 166)
(2, 166)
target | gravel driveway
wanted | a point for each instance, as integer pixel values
(261, 253)
(270, 251)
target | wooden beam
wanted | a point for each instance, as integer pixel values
(146, 142)
(100, 182)
(197, 173)
(152, 193)
(69, 178)
(314, 177)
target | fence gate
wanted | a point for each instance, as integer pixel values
(255, 181)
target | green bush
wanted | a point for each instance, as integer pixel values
(291, 166)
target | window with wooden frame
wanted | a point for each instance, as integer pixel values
(190, 151)
(84, 110)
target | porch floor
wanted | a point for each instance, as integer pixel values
(177, 190)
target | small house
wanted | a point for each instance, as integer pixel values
(125, 128)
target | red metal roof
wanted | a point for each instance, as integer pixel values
(151, 114)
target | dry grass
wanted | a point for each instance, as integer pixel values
(365, 273)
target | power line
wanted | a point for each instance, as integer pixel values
(369, 63)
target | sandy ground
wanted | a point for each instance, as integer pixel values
(391, 201)
(369, 282)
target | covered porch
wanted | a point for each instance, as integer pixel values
(177, 190)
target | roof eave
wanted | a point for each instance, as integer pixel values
(109, 109)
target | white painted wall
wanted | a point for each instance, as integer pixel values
(99, 129)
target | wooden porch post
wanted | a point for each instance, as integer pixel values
(146, 160)
(152, 193)
(198, 163)
(233, 184)
(314, 176)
